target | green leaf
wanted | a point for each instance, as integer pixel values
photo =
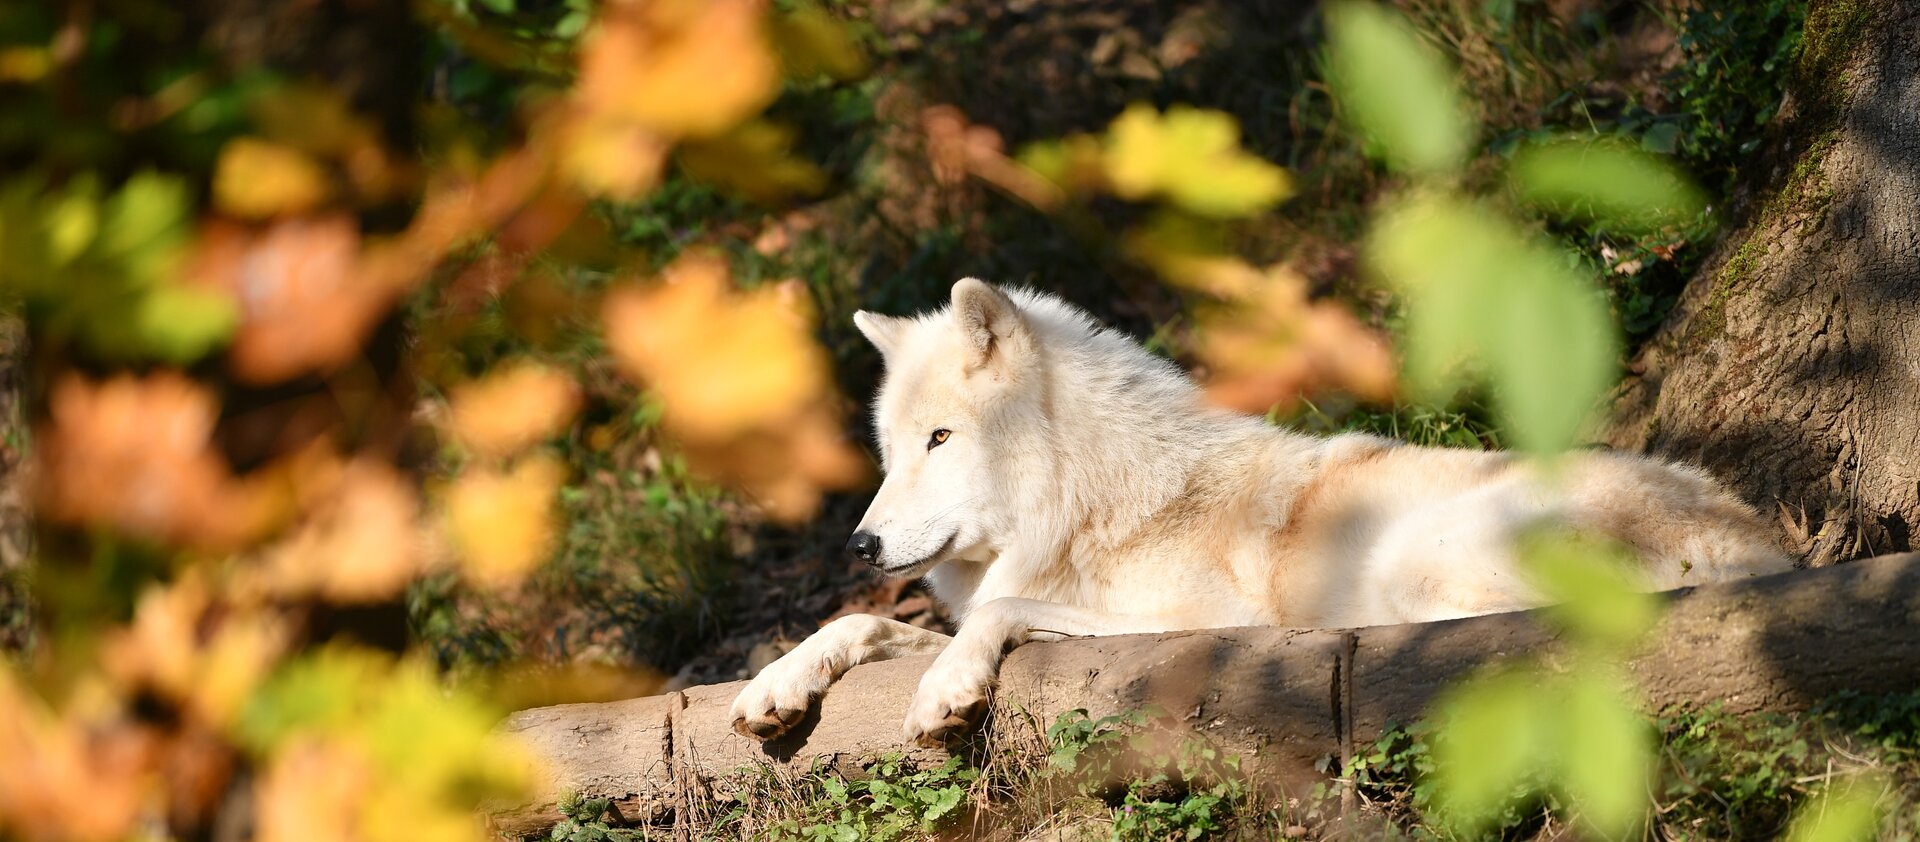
(1606, 753)
(1496, 735)
(1662, 138)
(1605, 181)
(1598, 592)
(1396, 88)
(1483, 294)
(180, 324)
(944, 802)
(1843, 813)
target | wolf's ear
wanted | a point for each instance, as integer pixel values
(882, 331)
(989, 322)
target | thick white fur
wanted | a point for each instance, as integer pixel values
(1087, 488)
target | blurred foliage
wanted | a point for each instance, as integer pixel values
(1714, 776)
(509, 323)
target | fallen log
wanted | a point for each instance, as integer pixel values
(1292, 703)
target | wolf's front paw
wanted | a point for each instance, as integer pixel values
(947, 706)
(777, 698)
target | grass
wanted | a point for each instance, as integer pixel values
(1467, 425)
(1126, 777)
(1718, 776)
(1121, 778)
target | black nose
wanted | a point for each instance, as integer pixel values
(865, 546)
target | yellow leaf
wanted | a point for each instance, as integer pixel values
(1192, 158)
(256, 179)
(178, 647)
(611, 158)
(812, 42)
(512, 408)
(502, 523)
(25, 64)
(359, 542)
(683, 68)
(755, 161)
(744, 386)
(365, 750)
(721, 361)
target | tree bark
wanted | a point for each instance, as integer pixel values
(1290, 703)
(1791, 366)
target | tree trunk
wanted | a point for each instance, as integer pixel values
(1791, 366)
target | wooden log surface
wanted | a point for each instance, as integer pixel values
(1290, 702)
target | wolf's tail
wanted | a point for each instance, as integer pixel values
(1689, 529)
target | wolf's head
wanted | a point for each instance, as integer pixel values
(962, 395)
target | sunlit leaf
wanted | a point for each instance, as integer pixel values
(755, 160)
(357, 541)
(1396, 88)
(1497, 738)
(365, 749)
(1847, 811)
(256, 179)
(179, 648)
(684, 68)
(179, 323)
(307, 302)
(614, 158)
(501, 522)
(135, 455)
(1606, 753)
(722, 361)
(1483, 293)
(1597, 590)
(1270, 346)
(514, 407)
(743, 384)
(813, 43)
(1192, 158)
(1606, 182)
(102, 269)
(68, 775)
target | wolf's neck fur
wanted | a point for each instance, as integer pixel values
(1126, 434)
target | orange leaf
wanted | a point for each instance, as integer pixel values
(512, 408)
(502, 523)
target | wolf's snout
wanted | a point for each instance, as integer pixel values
(864, 546)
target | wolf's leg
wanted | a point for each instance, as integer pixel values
(778, 697)
(953, 693)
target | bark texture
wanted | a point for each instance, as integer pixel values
(1791, 366)
(1290, 703)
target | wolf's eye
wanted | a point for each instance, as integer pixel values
(938, 438)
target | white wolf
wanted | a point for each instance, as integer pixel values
(1053, 479)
